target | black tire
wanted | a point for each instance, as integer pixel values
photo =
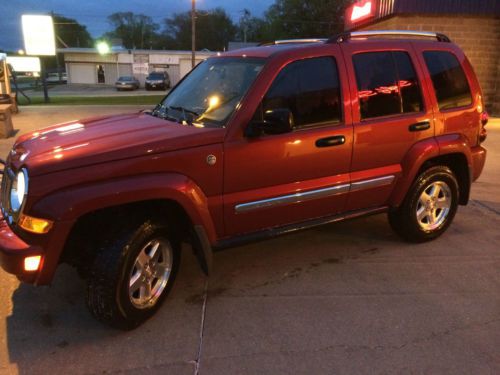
(108, 296)
(404, 219)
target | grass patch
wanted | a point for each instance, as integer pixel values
(95, 100)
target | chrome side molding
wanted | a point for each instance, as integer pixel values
(374, 182)
(314, 194)
(292, 198)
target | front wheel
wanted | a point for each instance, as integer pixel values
(132, 275)
(429, 207)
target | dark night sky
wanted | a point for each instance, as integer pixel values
(93, 13)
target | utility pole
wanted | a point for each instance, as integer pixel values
(193, 32)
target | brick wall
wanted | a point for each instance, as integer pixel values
(479, 38)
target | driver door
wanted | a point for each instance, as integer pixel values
(277, 179)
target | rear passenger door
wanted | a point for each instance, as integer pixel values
(390, 114)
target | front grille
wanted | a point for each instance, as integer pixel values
(7, 178)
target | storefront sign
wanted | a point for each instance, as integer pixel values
(359, 12)
(140, 68)
(164, 59)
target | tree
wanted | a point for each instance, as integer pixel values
(70, 33)
(214, 29)
(252, 29)
(134, 30)
(302, 19)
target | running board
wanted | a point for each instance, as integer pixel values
(291, 228)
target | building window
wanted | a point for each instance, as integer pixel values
(310, 89)
(387, 84)
(449, 80)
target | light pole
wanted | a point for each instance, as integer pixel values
(193, 32)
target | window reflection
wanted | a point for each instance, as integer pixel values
(387, 84)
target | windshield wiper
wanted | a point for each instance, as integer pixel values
(184, 111)
(160, 112)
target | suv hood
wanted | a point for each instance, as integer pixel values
(102, 139)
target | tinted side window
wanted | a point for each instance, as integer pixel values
(448, 79)
(377, 84)
(310, 89)
(408, 83)
(387, 84)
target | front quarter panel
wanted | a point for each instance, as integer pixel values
(66, 206)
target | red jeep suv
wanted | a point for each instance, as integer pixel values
(251, 144)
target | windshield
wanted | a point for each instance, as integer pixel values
(155, 76)
(211, 92)
(126, 79)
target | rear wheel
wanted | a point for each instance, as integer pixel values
(132, 275)
(429, 207)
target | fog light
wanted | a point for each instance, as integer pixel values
(32, 263)
(34, 225)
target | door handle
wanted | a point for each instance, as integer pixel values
(330, 141)
(419, 126)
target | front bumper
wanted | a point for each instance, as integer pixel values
(128, 87)
(155, 85)
(14, 250)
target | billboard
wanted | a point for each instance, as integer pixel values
(24, 63)
(38, 33)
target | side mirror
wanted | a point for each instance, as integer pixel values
(276, 121)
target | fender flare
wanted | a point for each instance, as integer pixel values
(420, 153)
(67, 205)
(71, 203)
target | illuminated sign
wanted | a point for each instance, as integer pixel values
(39, 38)
(24, 64)
(360, 11)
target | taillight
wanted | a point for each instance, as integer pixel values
(482, 132)
(484, 118)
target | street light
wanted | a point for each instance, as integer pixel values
(102, 48)
(193, 32)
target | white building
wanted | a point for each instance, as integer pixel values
(86, 65)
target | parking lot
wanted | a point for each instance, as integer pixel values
(346, 298)
(90, 90)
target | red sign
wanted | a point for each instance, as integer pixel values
(360, 11)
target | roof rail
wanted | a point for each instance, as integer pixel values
(292, 41)
(362, 34)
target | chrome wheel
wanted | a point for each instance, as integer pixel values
(150, 273)
(434, 205)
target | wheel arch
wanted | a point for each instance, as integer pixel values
(134, 196)
(91, 229)
(451, 150)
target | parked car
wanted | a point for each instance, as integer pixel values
(157, 80)
(127, 83)
(55, 78)
(251, 144)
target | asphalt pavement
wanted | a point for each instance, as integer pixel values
(345, 298)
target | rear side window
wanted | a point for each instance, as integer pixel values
(387, 84)
(449, 80)
(310, 89)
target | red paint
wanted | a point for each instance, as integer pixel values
(86, 165)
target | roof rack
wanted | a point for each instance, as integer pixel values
(292, 41)
(362, 34)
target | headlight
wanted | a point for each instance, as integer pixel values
(19, 190)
